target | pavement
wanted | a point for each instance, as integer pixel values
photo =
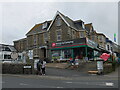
(57, 65)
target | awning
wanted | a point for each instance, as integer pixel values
(68, 47)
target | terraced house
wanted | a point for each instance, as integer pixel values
(62, 38)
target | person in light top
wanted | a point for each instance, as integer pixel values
(43, 66)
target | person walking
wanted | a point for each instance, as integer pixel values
(43, 66)
(39, 65)
(76, 61)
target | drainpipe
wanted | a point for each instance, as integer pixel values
(86, 52)
(72, 53)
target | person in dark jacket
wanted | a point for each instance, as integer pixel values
(39, 65)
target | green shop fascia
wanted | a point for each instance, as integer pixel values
(84, 48)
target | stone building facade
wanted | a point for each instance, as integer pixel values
(61, 28)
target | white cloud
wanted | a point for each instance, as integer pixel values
(19, 18)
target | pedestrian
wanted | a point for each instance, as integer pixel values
(39, 65)
(71, 60)
(43, 66)
(77, 61)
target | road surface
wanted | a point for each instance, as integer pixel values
(59, 78)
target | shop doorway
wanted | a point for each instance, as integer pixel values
(44, 52)
(79, 52)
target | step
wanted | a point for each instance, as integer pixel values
(93, 72)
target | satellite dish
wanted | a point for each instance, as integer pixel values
(14, 55)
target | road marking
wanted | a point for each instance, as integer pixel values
(23, 84)
(69, 82)
(59, 87)
(93, 74)
(75, 75)
(94, 83)
(109, 84)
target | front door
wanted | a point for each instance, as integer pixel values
(44, 52)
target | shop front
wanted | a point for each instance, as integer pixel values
(83, 48)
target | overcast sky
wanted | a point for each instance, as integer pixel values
(18, 18)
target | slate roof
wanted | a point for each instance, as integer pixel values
(38, 28)
(20, 40)
(75, 24)
(88, 26)
(11, 47)
(101, 34)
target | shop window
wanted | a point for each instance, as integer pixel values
(61, 54)
(58, 21)
(66, 53)
(56, 55)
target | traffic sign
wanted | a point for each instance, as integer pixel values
(14, 55)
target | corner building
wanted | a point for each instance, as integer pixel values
(62, 38)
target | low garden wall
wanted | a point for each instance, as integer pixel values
(16, 68)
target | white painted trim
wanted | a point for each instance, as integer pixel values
(58, 13)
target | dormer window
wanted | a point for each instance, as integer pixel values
(83, 26)
(58, 21)
(44, 26)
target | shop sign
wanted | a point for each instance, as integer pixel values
(53, 44)
(27, 67)
(69, 42)
(92, 43)
(62, 43)
(100, 65)
(14, 55)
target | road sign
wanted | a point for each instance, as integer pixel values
(14, 55)
(27, 67)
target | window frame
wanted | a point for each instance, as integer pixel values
(45, 35)
(35, 39)
(82, 35)
(58, 21)
(44, 25)
(59, 30)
